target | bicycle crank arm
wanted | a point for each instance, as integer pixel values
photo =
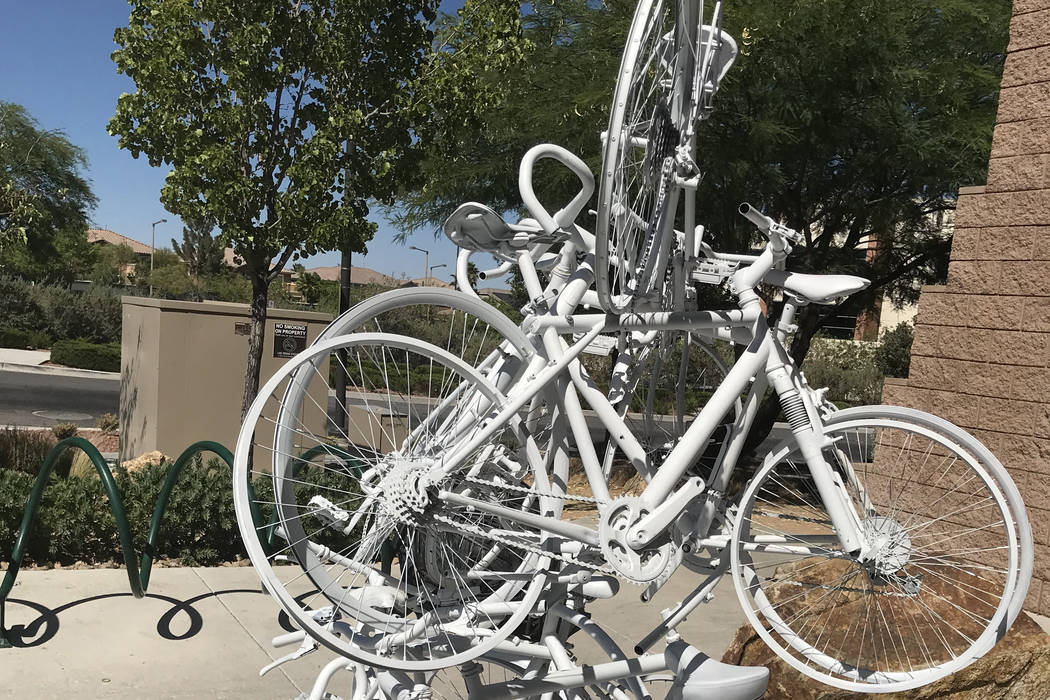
(654, 524)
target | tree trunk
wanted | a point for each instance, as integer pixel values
(808, 320)
(337, 416)
(260, 300)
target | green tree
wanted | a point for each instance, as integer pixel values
(281, 121)
(500, 81)
(166, 257)
(308, 284)
(851, 122)
(44, 200)
(202, 252)
(170, 277)
(114, 265)
(856, 125)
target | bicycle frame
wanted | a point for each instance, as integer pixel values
(763, 361)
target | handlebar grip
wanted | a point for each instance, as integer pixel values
(763, 222)
(496, 271)
(290, 638)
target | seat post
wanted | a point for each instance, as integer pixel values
(786, 322)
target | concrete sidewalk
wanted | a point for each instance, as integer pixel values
(199, 633)
(33, 361)
(205, 633)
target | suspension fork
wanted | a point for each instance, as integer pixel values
(808, 430)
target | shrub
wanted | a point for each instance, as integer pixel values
(24, 450)
(82, 467)
(94, 315)
(87, 355)
(227, 286)
(894, 354)
(23, 340)
(64, 430)
(107, 423)
(59, 313)
(75, 522)
(14, 490)
(19, 306)
(847, 368)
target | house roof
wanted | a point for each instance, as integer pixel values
(358, 275)
(104, 235)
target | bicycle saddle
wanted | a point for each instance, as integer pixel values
(699, 677)
(478, 228)
(817, 289)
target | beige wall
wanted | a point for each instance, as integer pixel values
(981, 356)
(182, 372)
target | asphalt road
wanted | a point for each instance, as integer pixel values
(30, 399)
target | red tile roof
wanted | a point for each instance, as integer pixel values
(104, 235)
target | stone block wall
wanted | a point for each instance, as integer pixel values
(981, 356)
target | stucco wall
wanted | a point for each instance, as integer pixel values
(182, 372)
(981, 356)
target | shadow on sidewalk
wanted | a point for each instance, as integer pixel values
(44, 628)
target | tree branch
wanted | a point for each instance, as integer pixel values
(286, 255)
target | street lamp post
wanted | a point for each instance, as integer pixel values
(434, 267)
(426, 264)
(152, 248)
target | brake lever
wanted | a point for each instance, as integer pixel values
(789, 233)
(309, 644)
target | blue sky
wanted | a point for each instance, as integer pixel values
(55, 55)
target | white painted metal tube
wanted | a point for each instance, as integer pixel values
(577, 677)
(699, 432)
(325, 676)
(661, 320)
(554, 525)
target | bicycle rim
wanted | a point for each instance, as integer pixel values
(946, 566)
(413, 582)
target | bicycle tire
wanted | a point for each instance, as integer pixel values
(394, 618)
(637, 196)
(953, 566)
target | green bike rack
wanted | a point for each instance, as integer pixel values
(139, 572)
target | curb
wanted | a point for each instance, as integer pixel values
(59, 371)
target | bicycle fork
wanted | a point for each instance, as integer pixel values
(807, 426)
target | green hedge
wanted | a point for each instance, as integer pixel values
(23, 340)
(59, 313)
(847, 368)
(75, 523)
(87, 355)
(894, 354)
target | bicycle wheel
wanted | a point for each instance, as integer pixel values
(456, 322)
(455, 582)
(948, 557)
(637, 197)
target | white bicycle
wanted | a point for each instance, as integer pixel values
(877, 549)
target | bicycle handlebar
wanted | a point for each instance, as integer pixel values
(564, 217)
(778, 235)
(760, 220)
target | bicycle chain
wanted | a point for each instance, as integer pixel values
(487, 534)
